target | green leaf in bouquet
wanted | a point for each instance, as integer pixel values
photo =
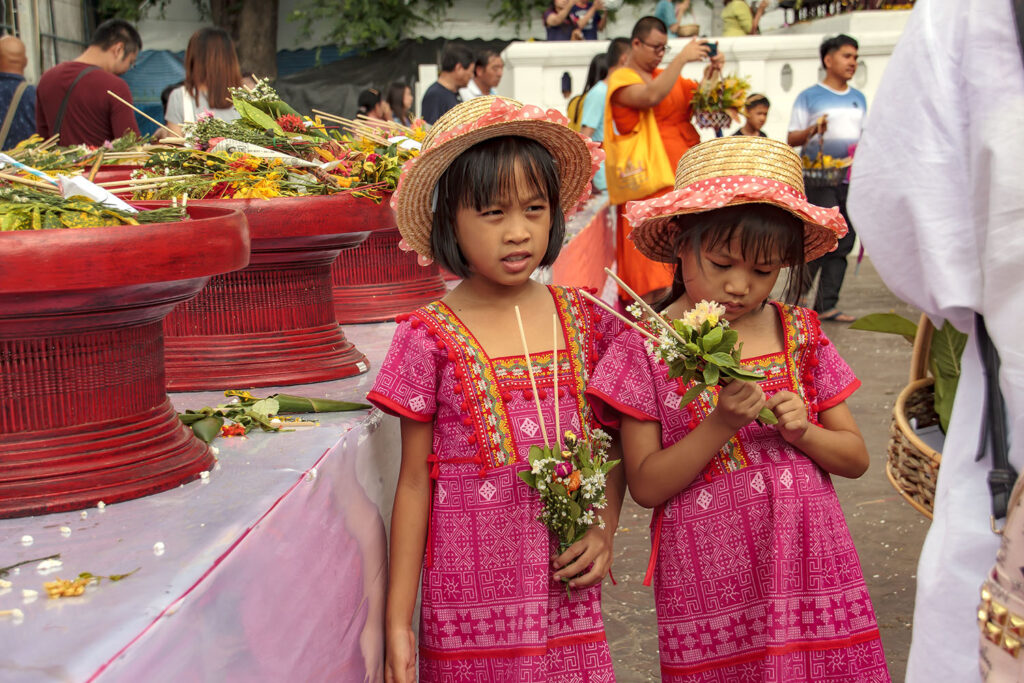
(743, 374)
(558, 490)
(256, 117)
(691, 348)
(721, 359)
(586, 472)
(690, 363)
(712, 339)
(288, 403)
(530, 478)
(730, 338)
(574, 509)
(888, 323)
(208, 428)
(767, 417)
(711, 375)
(265, 408)
(535, 453)
(692, 393)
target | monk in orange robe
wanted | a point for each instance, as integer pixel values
(641, 85)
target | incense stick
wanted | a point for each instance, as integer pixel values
(95, 166)
(647, 307)
(140, 112)
(594, 299)
(554, 358)
(533, 382)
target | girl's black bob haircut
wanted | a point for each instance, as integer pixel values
(767, 234)
(484, 175)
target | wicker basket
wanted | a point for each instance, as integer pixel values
(824, 177)
(712, 119)
(912, 465)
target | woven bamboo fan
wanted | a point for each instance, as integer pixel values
(912, 465)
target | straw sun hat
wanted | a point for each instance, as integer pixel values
(725, 172)
(476, 120)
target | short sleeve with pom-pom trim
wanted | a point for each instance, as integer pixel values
(623, 382)
(407, 383)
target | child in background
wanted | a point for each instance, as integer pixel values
(488, 199)
(755, 574)
(756, 110)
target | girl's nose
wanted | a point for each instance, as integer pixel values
(737, 284)
(517, 228)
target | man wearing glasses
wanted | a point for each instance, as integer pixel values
(72, 99)
(638, 86)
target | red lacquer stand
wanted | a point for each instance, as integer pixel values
(84, 414)
(377, 280)
(272, 323)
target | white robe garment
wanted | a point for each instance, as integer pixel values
(937, 196)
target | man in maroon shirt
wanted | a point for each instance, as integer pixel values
(72, 99)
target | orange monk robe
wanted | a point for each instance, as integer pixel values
(673, 116)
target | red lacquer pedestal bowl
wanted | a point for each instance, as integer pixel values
(377, 281)
(272, 323)
(84, 413)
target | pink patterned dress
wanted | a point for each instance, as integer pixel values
(755, 574)
(490, 608)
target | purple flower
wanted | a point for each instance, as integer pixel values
(563, 469)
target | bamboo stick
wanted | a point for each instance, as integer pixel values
(46, 187)
(95, 166)
(554, 357)
(602, 304)
(533, 382)
(145, 179)
(140, 112)
(647, 307)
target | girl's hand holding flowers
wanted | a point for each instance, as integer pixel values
(738, 404)
(591, 554)
(792, 415)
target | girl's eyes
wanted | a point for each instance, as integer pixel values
(763, 272)
(721, 266)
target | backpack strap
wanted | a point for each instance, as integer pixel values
(1002, 476)
(11, 111)
(67, 96)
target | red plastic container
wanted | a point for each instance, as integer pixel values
(84, 414)
(272, 323)
(377, 280)
(111, 172)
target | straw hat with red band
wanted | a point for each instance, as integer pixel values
(476, 120)
(726, 172)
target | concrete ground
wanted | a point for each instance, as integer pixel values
(887, 531)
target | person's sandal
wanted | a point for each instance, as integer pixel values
(837, 316)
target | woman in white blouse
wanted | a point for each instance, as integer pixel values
(211, 67)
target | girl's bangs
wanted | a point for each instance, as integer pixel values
(767, 234)
(490, 173)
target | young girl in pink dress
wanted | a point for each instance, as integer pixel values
(755, 574)
(487, 198)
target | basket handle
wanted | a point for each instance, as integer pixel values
(922, 348)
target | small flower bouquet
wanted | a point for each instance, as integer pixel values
(700, 346)
(717, 101)
(571, 476)
(571, 480)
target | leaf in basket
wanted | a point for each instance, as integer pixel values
(888, 323)
(944, 361)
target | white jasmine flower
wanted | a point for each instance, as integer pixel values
(27, 540)
(47, 566)
(158, 548)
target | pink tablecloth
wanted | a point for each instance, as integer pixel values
(272, 569)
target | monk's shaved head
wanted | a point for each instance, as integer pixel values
(12, 55)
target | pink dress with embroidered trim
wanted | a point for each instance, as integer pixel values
(490, 609)
(755, 574)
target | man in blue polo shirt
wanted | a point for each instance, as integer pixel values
(830, 116)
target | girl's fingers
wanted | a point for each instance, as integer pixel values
(594, 575)
(576, 567)
(573, 551)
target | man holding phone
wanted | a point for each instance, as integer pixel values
(641, 85)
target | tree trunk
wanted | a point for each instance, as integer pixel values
(252, 24)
